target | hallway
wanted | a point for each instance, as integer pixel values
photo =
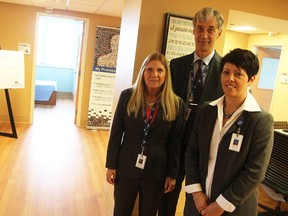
(53, 168)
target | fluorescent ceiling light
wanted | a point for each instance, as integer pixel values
(244, 28)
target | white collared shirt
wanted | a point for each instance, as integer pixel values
(206, 60)
(250, 105)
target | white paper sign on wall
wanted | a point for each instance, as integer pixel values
(24, 47)
(12, 69)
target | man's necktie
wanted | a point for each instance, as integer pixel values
(198, 82)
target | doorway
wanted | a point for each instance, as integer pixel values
(58, 54)
(263, 87)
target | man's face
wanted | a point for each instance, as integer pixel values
(205, 34)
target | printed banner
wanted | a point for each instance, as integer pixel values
(103, 78)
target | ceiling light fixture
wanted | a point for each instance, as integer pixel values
(271, 34)
(244, 28)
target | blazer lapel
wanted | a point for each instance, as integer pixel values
(213, 77)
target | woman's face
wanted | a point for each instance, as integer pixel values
(154, 75)
(235, 81)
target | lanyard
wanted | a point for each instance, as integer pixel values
(239, 123)
(147, 124)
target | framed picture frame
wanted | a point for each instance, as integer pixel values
(178, 38)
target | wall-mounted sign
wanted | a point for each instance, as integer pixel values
(12, 68)
(24, 47)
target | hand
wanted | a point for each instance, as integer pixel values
(169, 184)
(213, 210)
(111, 176)
(201, 201)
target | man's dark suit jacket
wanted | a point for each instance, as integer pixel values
(163, 143)
(237, 174)
(180, 71)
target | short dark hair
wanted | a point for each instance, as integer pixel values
(243, 59)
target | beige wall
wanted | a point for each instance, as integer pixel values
(148, 20)
(233, 40)
(152, 18)
(17, 24)
(15, 29)
(141, 33)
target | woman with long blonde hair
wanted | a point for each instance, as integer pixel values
(144, 144)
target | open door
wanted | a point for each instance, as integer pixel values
(263, 87)
(49, 36)
(77, 72)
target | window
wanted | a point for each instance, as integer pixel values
(268, 73)
(58, 41)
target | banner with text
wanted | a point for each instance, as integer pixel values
(103, 78)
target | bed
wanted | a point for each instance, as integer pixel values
(45, 92)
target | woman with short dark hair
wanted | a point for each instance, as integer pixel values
(231, 144)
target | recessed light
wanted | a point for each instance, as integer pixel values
(244, 28)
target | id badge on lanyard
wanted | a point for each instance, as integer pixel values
(141, 158)
(237, 138)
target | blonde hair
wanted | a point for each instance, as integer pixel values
(168, 100)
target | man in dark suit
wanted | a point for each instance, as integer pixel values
(195, 90)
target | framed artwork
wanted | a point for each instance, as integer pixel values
(178, 38)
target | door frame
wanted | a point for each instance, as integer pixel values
(255, 84)
(82, 58)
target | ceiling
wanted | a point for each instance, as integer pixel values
(104, 7)
(263, 25)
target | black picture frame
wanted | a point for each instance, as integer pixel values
(178, 38)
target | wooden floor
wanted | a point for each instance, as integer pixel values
(55, 168)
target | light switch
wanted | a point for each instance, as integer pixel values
(284, 78)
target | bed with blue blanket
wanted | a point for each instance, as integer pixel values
(45, 92)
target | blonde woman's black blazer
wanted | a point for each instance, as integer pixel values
(126, 137)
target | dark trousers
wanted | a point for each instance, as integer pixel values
(125, 194)
(169, 200)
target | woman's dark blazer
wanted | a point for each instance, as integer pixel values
(237, 174)
(163, 143)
